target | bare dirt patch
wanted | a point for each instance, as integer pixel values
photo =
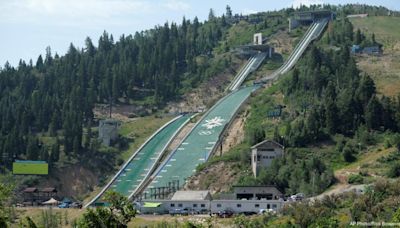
(282, 42)
(71, 181)
(215, 178)
(207, 93)
(384, 70)
(234, 135)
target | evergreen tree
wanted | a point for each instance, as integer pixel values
(228, 12)
(358, 37)
(88, 136)
(373, 114)
(55, 151)
(32, 149)
(76, 145)
(211, 15)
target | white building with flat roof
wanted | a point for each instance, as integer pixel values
(202, 202)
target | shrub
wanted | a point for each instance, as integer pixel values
(394, 170)
(355, 179)
(348, 154)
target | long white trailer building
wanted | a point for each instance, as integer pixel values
(201, 202)
(209, 206)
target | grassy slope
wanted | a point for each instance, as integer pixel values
(384, 70)
(139, 130)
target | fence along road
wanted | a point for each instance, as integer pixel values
(141, 163)
(199, 143)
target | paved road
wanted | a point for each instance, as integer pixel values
(196, 147)
(133, 173)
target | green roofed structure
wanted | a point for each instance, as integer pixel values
(151, 204)
(27, 167)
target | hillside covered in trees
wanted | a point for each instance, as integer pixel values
(332, 116)
(47, 105)
(59, 92)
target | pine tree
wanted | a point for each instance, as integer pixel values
(55, 151)
(331, 113)
(88, 136)
(39, 63)
(358, 37)
(366, 89)
(32, 149)
(228, 12)
(44, 154)
(211, 15)
(373, 114)
(76, 145)
(373, 39)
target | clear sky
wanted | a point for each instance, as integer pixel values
(29, 26)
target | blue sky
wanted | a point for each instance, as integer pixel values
(29, 26)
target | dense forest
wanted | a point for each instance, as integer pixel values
(326, 99)
(58, 93)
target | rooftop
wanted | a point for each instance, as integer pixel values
(30, 161)
(30, 190)
(191, 195)
(267, 141)
(48, 190)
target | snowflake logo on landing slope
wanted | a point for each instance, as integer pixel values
(214, 122)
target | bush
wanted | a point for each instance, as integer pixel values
(355, 179)
(348, 154)
(387, 143)
(394, 170)
(120, 161)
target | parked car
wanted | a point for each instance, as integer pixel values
(76, 205)
(226, 213)
(63, 205)
(248, 213)
(297, 197)
(265, 211)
